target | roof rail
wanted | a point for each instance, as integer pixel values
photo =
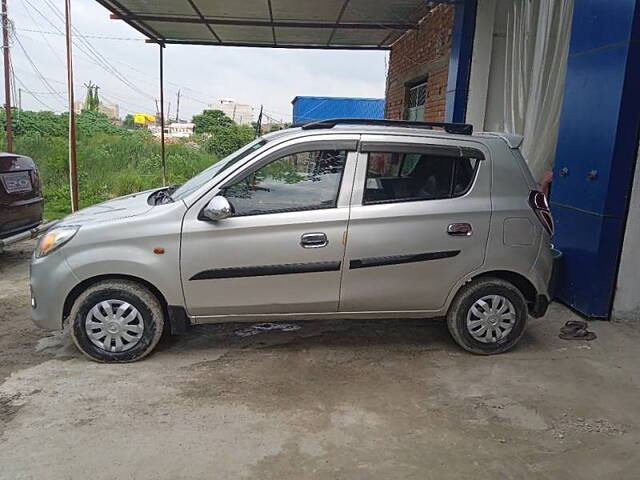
(456, 128)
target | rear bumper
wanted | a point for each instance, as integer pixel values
(20, 216)
(540, 306)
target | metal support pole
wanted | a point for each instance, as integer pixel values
(164, 166)
(73, 166)
(178, 108)
(7, 75)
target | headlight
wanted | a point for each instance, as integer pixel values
(55, 239)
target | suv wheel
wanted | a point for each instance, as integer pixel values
(116, 321)
(488, 316)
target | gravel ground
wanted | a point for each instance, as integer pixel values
(333, 399)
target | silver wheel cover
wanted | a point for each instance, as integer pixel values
(491, 318)
(114, 326)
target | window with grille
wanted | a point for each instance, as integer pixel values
(416, 100)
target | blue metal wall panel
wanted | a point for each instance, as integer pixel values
(588, 98)
(598, 132)
(309, 109)
(601, 23)
(586, 240)
(460, 60)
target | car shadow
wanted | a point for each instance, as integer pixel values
(432, 334)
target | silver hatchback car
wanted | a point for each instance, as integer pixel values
(335, 219)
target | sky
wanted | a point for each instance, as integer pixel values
(126, 68)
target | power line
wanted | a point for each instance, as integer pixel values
(109, 97)
(98, 37)
(97, 54)
(36, 69)
(101, 61)
(86, 47)
(24, 7)
(35, 96)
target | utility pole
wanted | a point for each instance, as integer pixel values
(20, 99)
(73, 166)
(259, 124)
(164, 166)
(7, 83)
(178, 108)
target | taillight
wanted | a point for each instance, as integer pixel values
(35, 180)
(540, 205)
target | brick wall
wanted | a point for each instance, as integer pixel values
(420, 54)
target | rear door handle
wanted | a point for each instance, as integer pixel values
(314, 240)
(460, 229)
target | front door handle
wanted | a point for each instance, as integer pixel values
(460, 229)
(314, 240)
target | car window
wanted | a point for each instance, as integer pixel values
(208, 174)
(396, 176)
(300, 181)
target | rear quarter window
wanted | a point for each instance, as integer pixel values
(407, 176)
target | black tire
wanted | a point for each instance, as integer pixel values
(147, 304)
(464, 300)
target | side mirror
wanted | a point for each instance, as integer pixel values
(218, 208)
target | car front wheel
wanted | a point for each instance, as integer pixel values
(488, 316)
(116, 321)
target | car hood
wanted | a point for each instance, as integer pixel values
(111, 210)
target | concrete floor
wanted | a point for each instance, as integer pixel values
(339, 400)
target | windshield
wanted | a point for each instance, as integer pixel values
(207, 175)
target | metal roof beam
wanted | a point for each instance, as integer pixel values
(141, 27)
(270, 45)
(199, 13)
(264, 23)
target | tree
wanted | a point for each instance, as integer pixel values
(128, 121)
(210, 120)
(226, 140)
(91, 101)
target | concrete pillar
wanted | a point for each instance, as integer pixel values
(626, 303)
(597, 149)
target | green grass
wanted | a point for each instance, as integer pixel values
(108, 166)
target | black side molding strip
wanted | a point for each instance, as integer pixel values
(400, 259)
(267, 270)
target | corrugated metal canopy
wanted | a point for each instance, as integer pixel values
(330, 24)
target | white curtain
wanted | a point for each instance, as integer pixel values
(538, 34)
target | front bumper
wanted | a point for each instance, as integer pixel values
(51, 282)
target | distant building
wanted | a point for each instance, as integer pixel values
(310, 109)
(240, 113)
(111, 111)
(181, 130)
(173, 130)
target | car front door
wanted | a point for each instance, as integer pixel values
(282, 250)
(419, 223)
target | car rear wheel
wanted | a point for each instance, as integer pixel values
(488, 316)
(116, 321)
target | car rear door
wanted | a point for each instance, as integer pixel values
(419, 222)
(283, 249)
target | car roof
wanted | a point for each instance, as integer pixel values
(512, 141)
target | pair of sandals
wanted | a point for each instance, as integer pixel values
(576, 330)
